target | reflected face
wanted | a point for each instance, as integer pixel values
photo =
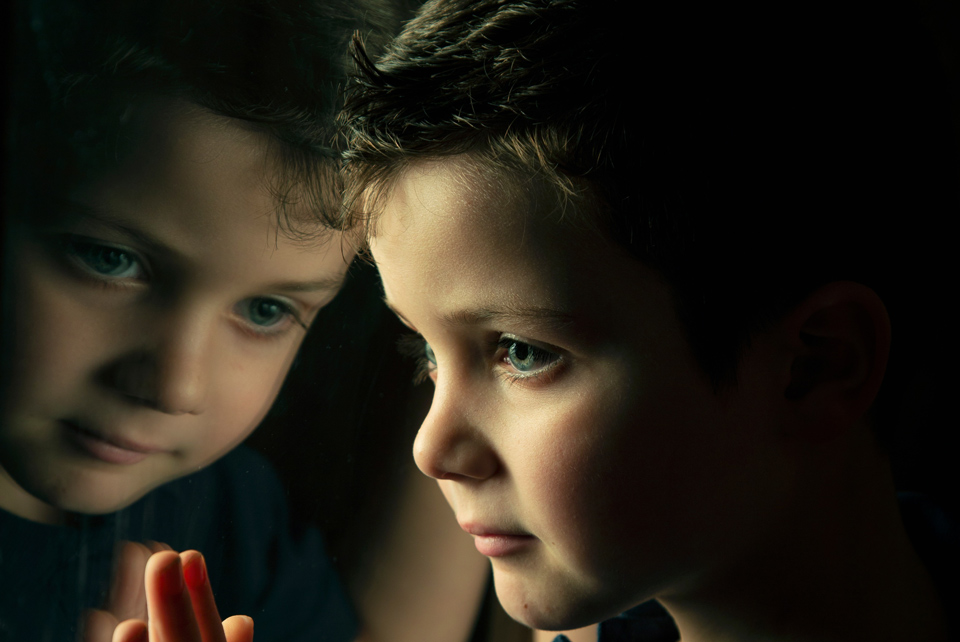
(154, 319)
(571, 429)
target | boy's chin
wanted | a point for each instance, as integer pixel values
(549, 605)
(84, 498)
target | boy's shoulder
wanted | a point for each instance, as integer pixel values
(934, 531)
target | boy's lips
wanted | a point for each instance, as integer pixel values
(497, 542)
(113, 450)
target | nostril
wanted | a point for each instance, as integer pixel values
(140, 401)
(140, 380)
(455, 456)
(152, 403)
(133, 378)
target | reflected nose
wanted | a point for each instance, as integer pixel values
(170, 373)
(451, 446)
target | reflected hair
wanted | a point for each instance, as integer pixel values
(274, 65)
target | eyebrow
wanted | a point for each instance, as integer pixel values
(108, 220)
(553, 318)
(328, 284)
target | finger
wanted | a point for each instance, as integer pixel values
(131, 631)
(168, 604)
(238, 628)
(156, 547)
(127, 598)
(201, 595)
(98, 626)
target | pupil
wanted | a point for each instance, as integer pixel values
(111, 260)
(521, 351)
(265, 311)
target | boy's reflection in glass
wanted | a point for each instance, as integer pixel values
(164, 260)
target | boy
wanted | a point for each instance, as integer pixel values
(165, 254)
(642, 247)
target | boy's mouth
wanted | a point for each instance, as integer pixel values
(112, 450)
(494, 542)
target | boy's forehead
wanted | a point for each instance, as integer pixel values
(465, 243)
(174, 145)
(443, 204)
(463, 191)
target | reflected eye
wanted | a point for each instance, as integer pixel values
(263, 312)
(105, 260)
(429, 355)
(416, 347)
(524, 358)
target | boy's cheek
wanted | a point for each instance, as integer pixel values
(53, 345)
(622, 472)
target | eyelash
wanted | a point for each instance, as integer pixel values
(415, 346)
(79, 252)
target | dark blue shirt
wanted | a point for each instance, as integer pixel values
(234, 512)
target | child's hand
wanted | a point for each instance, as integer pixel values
(180, 605)
(127, 598)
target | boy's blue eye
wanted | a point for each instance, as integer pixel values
(526, 358)
(264, 312)
(105, 260)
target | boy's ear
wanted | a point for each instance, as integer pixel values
(839, 339)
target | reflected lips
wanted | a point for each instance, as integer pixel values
(112, 451)
(497, 544)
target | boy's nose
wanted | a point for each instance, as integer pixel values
(451, 446)
(171, 373)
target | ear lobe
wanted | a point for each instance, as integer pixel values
(841, 341)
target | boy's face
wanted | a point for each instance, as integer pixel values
(155, 318)
(571, 429)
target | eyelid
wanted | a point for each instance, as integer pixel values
(297, 309)
(540, 345)
(67, 239)
(296, 315)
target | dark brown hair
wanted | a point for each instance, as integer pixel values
(749, 153)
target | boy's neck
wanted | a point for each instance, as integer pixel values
(842, 569)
